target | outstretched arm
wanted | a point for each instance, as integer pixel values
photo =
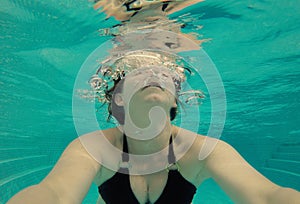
(68, 182)
(242, 182)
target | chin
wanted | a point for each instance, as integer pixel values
(154, 98)
(155, 95)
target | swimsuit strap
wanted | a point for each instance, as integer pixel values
(171, 155)
(125, 155)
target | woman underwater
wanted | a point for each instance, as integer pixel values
(144, 83)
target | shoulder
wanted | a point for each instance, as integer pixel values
(97, 138)
(206, 151)
(199, 152)
(92, 146)
(77, 154)
(199, 144)
(111, 134)
(188, 140)
(105, 146)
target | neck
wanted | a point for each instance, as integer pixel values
(146, 122)
(149, 146)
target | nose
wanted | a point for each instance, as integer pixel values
(154, 81)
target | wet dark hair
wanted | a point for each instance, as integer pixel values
(118, 112)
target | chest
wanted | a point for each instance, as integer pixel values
(143, 188)
(148, 187)
(159, 187)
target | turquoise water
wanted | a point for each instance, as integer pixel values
(255, 46)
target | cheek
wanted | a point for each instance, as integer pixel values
(170, 88)
(172, 99)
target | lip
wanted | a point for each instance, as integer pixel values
(152, 84)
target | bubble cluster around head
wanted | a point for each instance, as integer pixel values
(115, 68)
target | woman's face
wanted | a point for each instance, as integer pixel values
(142, 90)
(149, 86)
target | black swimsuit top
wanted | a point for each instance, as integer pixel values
(117, 190)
